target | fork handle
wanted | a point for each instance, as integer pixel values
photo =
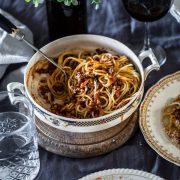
(7, 25)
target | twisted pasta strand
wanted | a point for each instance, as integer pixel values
(98, 83)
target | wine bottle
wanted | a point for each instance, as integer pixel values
(66, 20)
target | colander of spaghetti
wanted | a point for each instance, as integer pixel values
(103, 87)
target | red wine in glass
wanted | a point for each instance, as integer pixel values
(148, 11)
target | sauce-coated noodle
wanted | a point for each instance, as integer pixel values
(98, 83)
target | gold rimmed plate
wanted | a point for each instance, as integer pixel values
(123, 174)
(150, 117)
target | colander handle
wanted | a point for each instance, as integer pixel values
(19, 97)
(16, 85)
(154, 66)
(11, 88)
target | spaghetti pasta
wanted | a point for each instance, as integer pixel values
(171, 121)
(98, 83)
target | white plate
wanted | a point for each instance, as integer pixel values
(121, 174)
(150, 122)
(175, 10)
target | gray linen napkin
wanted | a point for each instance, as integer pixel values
(11, 50)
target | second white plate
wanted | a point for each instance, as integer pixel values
(150, 122)
(121, 174)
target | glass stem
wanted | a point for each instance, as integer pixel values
(146, 37)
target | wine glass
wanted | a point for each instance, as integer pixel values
(148, 11)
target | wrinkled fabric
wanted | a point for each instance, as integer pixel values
(13, 51)
(113, 21)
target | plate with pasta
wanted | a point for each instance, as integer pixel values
(160, 117)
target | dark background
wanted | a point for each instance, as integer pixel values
(113, 21)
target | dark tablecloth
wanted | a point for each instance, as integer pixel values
(110, 20)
